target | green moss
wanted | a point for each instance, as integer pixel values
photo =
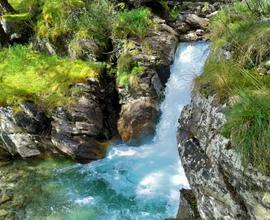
(28, 75)
(133, 23)
(55, 16)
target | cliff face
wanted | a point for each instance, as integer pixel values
(223, 188)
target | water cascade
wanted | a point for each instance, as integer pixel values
(131, 182)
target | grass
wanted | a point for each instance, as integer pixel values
(46, 80)
(133, 23)
(239, 29)
(55, 16)
(127, 70)
(248, 126)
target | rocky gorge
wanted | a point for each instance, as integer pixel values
(105, 109)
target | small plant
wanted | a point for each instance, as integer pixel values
(132, 23)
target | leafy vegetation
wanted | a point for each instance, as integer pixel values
(133, 23)
(46, 80)
(242, 29)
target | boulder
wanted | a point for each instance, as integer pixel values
(196, 21)
(79, 129)
(188, 209)
(138, 119)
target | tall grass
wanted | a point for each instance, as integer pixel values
(248, 126)
(127, 70)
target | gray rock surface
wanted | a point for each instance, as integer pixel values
(223, 188)
(23, 133)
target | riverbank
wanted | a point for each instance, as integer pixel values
(223, 134)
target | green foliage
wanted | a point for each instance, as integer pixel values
(54, 18)
(248, 126)
(28, 75)
(24, 6)
(127, 70)
(249, 40)
(134, 23)
(175, 11)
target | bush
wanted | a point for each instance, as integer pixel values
(46, 80)
(248, 126)
(132, 23)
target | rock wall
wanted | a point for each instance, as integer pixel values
(77, 131)
(223, 188)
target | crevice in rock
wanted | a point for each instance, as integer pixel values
(233, 191)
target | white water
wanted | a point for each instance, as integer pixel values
(132, 182)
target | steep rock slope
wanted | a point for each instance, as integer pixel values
(223, 188)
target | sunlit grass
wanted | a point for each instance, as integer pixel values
(46, 80)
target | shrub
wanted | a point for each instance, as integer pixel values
(132, 23)
(248, 126)
(46, 80)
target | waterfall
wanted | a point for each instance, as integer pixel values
(131, 182)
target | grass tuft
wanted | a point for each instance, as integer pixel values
(248, 126)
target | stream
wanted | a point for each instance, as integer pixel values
(131, 183)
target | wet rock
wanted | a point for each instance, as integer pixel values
(196, 21)
(138, 119)
(191, 36)
(182, 27)
(32, 120)
(223, 188)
